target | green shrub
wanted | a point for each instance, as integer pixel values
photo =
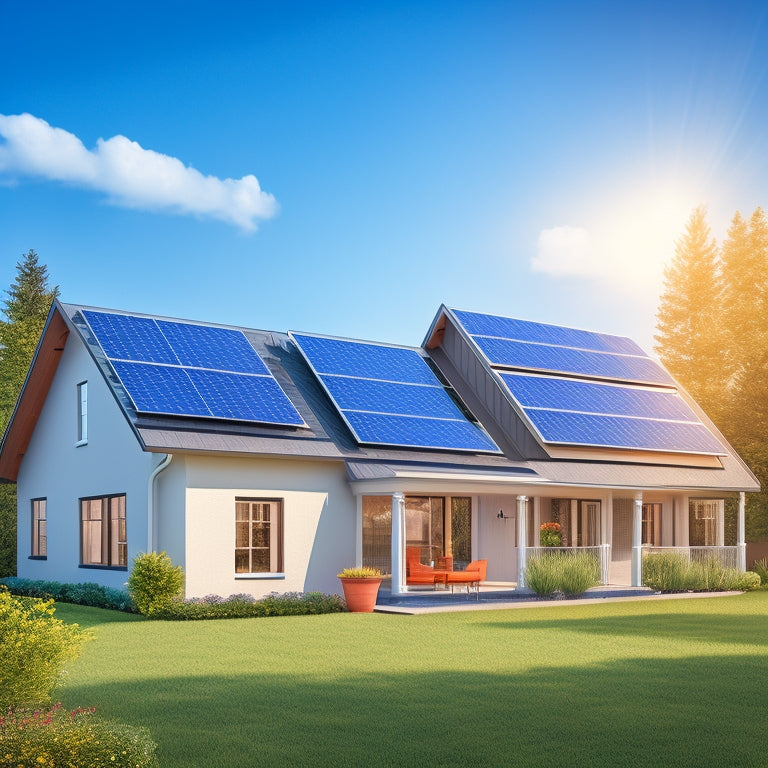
(542, 573)
(674, 572)
(34, 646)
(244, 606)
(760, 567)
(666, 572)
(562, 571)
(88, 593)
(580, 572)
(155, 582)
(54, 738)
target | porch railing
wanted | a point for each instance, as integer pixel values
(601, 553)
(728, 557)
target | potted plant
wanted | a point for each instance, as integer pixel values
(551, 535)
(361, 587)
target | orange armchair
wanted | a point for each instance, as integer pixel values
(471, 577)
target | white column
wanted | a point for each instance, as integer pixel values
(522, 539)
(398, 542)
(740, 534)
(637, 541)
(359, 531)
(536, 520)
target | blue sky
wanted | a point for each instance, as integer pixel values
(532, 160)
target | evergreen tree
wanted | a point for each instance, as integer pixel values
(745, 290)
(690, 332)
(26, 309)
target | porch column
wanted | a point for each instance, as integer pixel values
(398, 539)
(740, 535)
(359, 531)
(637, 540)
(522, 539)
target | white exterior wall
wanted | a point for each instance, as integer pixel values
(496, 538)
(319, 523)
(111, 462)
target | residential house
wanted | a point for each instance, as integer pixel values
(266, 461)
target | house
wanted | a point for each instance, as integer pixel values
(265, 461)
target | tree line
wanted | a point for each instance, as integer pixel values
(712, 336)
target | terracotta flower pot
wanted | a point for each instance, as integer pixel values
(360, 594)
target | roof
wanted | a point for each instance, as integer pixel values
(326, 436)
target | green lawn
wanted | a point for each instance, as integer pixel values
(649, 683)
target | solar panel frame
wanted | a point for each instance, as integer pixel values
(130, 337)
(444, 434)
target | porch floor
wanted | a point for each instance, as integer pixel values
(493, 595)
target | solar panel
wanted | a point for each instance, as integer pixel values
(364, 359)
(585, 429)
(220, 349)
(160, 389)
(244, 397)
(390, 396)
(602, 365)
(477, 324)
(557, 393)
(412, 431)
(187, 369)
(126, 337)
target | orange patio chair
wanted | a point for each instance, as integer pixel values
(474, 573)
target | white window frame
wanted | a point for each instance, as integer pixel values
(39, 544)
(82, 413)
(276, 546)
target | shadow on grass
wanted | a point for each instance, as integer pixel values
(704, 627)
(705, 711)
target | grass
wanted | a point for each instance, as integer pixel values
(659, 682)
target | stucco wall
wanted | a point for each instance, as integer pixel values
(318, 528)
(111, 462)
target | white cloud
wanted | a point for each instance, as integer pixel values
(564, 251)
(130, 175)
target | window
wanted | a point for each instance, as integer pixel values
(82, 413)
(103, 540)
(651, 516)
(703, 521)
(39, 529)
(258, 536)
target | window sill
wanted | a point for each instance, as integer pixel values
(259, 575)
(38, 557)
(80, 443)
(104, 567)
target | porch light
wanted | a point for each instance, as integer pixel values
(502, 516)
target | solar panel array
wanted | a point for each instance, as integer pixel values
(187, 369)
(390, 396)
(581, 388)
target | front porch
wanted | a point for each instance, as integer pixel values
(618, 529)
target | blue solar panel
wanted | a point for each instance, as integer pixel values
(244, 397)
(186, 369)
(203, 346)
(516, 354)
(365, 360)
(410, 431)
(126, 337)
(477, 324)
(622, 432)
(389, 397)
(589, 397)
(160, 389)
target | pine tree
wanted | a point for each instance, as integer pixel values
(690, 333)
(26, 309)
